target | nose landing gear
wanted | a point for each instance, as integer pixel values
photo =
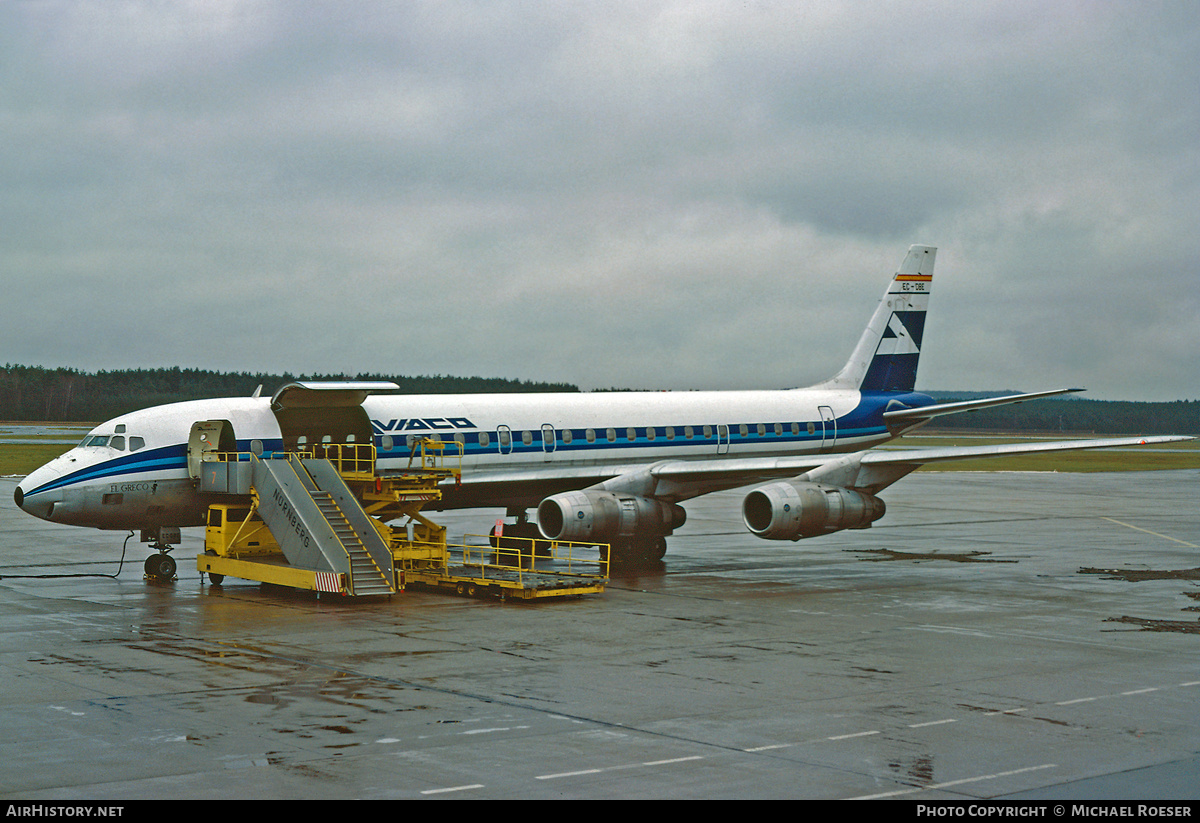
(160, 566)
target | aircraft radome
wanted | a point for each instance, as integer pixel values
(610, 467)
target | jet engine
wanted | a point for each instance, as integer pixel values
(791, 510)
(607, 517)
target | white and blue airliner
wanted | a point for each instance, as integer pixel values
(608, 467)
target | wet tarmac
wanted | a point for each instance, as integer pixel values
(994, 636)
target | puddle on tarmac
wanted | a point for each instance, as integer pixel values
(1148, 625)
(919, 769)
(954, 557)
(1136, 575)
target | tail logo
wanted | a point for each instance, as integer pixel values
(897, 340)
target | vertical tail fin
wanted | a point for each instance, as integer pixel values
(885, 358)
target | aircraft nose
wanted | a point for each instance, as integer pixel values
(39, 504)
(29, 506)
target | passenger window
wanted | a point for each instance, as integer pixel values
(527, 438)
(591, 435)
(256, 447)
(762, 429)
(611, 434)
(670, 432)
(778, 429)
(484, 439)
(649, 432)
(742, 430)
(811, 428)
(631, 434)
(795, 428)
(567, 436)
(505, 437)
(136, 443)
(708, 432)
(688, 432)
(386, 443)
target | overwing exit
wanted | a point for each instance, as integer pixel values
(605, 467)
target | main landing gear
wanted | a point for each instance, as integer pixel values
(623, 554)
(527, 535)
(635, 553)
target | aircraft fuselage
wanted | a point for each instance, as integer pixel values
(131, 472)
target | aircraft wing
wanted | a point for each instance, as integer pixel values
(867, 470)
(941, 453)
(773, 466)
(673, 480)
(679, 480)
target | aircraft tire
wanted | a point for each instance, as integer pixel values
(161, 566)
(627, 554)
(658, 550)
(638, 553)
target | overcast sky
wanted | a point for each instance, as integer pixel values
(647, 194)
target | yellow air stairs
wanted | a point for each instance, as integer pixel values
(315, 520)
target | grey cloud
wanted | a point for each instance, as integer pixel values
(644, 194)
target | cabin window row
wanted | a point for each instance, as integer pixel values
(505, 437)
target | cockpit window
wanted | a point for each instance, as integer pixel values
(112, 441)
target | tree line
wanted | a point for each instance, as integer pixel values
(40, 394)
(1077, 416)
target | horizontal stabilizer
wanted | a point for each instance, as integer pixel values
(908, 416)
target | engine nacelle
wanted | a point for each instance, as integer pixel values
(607, 517)
(791, 510)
